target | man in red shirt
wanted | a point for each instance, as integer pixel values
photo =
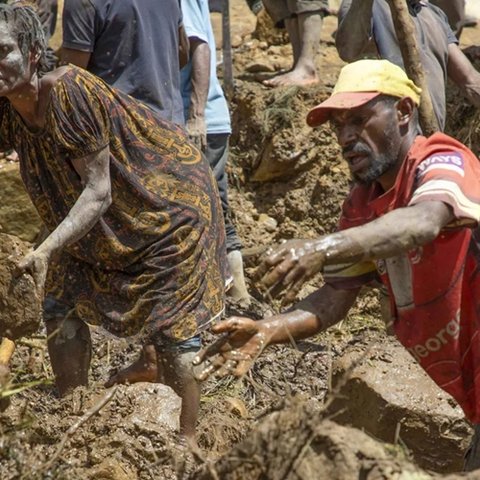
(411, 218)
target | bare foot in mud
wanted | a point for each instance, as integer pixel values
(295, 78)
(142, 370)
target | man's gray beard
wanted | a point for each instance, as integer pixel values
(380, 165)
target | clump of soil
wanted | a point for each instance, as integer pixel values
(297, 442)
(266, 31)
(20, 306)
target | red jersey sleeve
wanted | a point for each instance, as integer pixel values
(452, 177)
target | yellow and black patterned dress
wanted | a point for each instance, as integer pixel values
(154, 265)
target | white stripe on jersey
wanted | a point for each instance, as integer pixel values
(444, 166)
(466, 207)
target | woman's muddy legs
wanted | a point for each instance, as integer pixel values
(175, 369)
(70, 350)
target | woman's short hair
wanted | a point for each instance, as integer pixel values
(25, 24)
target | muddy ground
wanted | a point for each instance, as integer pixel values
(286, 181)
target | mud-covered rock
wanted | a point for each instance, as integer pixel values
(156, 406)
(17, 214)
(386, 393)
(296, 443)
(20, 306)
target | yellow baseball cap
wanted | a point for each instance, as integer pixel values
(359, 82)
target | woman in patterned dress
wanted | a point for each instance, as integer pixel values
(136, 242)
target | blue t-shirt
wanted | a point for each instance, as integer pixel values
(196, 19)
(133, 46)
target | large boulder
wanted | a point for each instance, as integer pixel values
(383, 391)
(20, 306)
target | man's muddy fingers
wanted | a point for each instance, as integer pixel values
(292, 292)
(205, 372)
(275, 291)
(235, 324)
(297, 273)
(228, 368)
(278, 273)
(210, 350)
(210, 366)
(243, 367)
(272, 258)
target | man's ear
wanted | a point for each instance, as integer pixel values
(405, 110)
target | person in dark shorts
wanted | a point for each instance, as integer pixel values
(365, 29)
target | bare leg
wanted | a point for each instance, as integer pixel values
(304, 72)
(177, 372)
(294, 34)
(70, 350)
(142, 370)
(238, 291)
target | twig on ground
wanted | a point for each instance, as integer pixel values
(83, 419)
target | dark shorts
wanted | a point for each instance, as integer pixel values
(280, 10)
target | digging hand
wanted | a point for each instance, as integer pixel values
(197, 132)
(288, 266)
(35, 263)
(242, 341)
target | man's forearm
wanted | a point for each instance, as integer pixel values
(354, 29)
(200, 57)
(398, 231)
(320, 310)
(464, 74)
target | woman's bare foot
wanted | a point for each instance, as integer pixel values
(299, 77)
(142, 370)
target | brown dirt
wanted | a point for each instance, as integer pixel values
(20, 307)
(287, 181)
(297, 442)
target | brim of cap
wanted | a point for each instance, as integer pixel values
(339, 101)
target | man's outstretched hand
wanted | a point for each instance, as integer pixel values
(242, 341)
(289, 265)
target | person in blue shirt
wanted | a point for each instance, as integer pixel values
(207, 121)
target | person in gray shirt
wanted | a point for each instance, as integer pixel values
(365, 29)
(455, 12)
(132, 45)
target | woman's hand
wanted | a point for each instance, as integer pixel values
(243, 340)
(289, 265)
(36, 263)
